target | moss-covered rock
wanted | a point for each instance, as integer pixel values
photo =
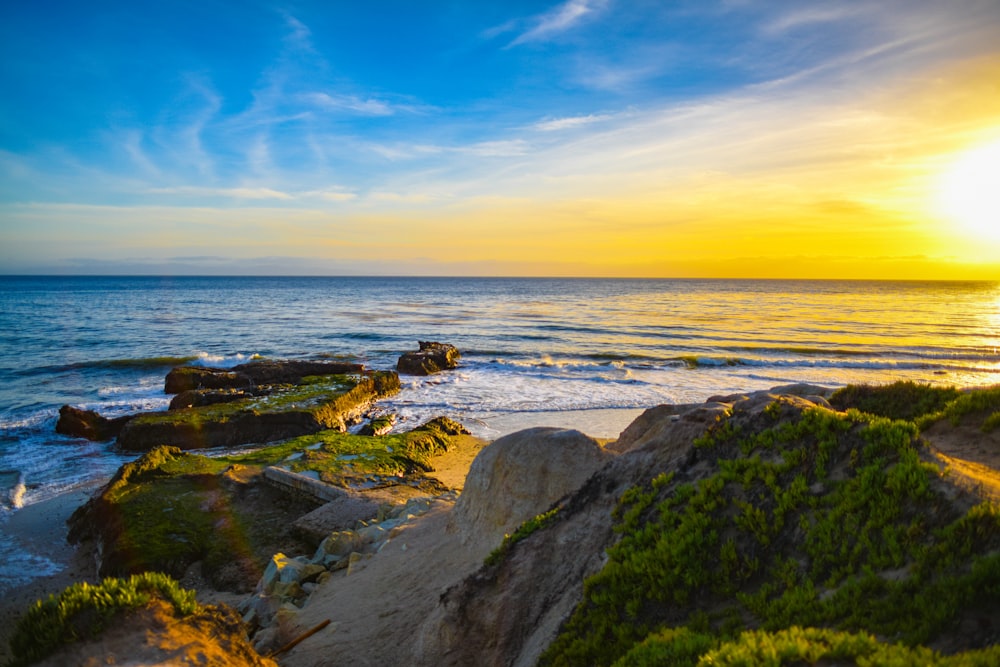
(171, 508)
(316, 403)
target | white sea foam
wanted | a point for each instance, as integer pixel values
(16, 494)
(223, 360)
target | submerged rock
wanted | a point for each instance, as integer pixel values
(429, 359)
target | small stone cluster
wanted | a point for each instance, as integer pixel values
(287, 582)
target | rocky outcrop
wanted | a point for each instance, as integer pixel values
(293, 372)
(521, 475)
(429, 359)
(88, 424)
(329, 402)
(709, 506)
(185, 378)
(508, 614)
(196, 398)
(254, 373)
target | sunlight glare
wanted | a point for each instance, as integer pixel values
(969, 192)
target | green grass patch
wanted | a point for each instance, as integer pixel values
(806, 513)
(83, 611)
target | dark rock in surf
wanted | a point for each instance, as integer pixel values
(88, 424)
(431, 358)
(252, 374)
(196, 398)
(277, 372)
(186, 378)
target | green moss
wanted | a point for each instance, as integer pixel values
(899, 400)
(310, 393)
(170, 508)
(796, 526)
(524, 530)
(83, 611)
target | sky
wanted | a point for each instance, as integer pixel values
(734, 138)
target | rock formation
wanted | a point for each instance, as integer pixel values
(429, 359)
(284, 411)
(88, 424)
(521, 475)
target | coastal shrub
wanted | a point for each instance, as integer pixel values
(818, 519)
(899, 400)
(794, 646)
(83, 611)
(522, 531)
(983, 402)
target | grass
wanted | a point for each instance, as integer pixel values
(83, 611)
(811, 518)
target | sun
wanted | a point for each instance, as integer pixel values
(969, 192)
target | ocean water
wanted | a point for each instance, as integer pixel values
(590, 353)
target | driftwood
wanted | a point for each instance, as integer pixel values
(295, 642)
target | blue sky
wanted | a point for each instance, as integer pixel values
(334, 137)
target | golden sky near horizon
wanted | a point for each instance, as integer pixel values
(873, 163)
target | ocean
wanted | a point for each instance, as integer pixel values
(583, 353)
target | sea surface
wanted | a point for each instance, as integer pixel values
(584, 353)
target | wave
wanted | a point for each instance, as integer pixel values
(223, 360)
(630, 369)
(138, 363)
(12, 489)
(695, 362)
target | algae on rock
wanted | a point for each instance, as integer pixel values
(170, 508)
(286, 411)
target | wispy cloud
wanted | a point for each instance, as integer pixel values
(337, 102)
(570, 122)
(235, 193)
(333, 194)
(501, 148)
(813, 16)
(557, 20)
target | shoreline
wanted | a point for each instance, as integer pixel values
(40, 528)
